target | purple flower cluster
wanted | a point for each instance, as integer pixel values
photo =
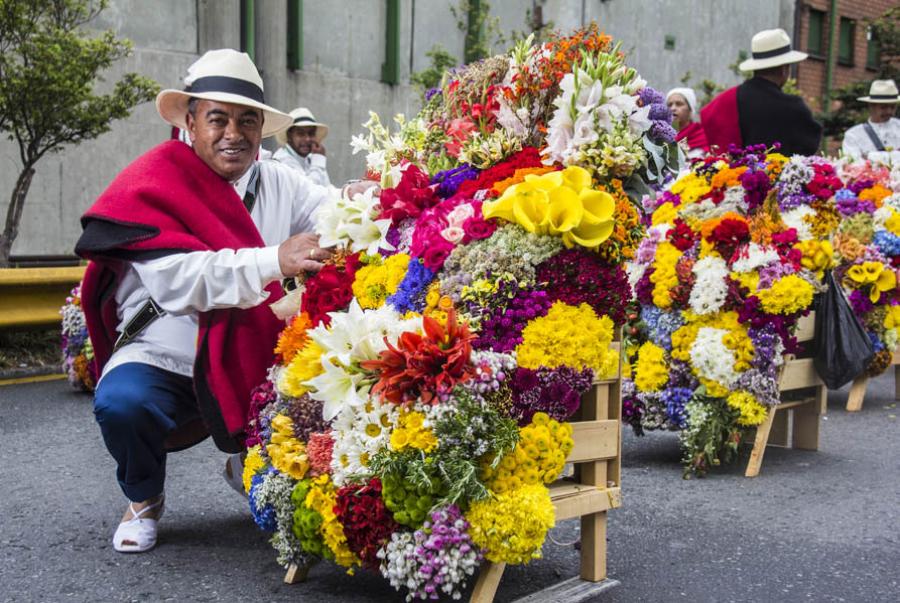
(848, 204)
(632, 407)
(306, 415)
(681, 375)
(448, 181)
(261, 396)
(860, 302)
(756, 187)
(556, 392)
(435, 559)
(410, 295)
(661, 129)
(501, 328)
(577, 276)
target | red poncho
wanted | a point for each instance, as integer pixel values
(721, 120)
(168, 201)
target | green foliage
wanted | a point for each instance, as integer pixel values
(451, 473)
(712, 436)
(49, 67)
(410, 502)
(441, 61)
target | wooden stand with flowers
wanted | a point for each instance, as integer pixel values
(860, 385)
(589, 493)
(805, 415)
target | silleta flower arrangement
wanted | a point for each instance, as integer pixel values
(867, 245)
(77, 351)
(418, 407)
(736, 250)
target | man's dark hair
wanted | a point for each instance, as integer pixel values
(192, 106)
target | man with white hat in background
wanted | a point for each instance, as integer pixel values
(300, 146)
(758, 111)
(880, 135)
(185, 246)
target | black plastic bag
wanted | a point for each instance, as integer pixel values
(843, 348)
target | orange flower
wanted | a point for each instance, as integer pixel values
(728, 177)
(707, 228)
(876, 194)
(293, 338)
(519, 176)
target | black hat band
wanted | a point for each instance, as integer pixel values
(767, 54)
(230, 85)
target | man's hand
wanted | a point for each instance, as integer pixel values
(301, 253)
(316, 147)
(356, 187)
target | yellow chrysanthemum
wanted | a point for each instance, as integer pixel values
(512, 526)
(752, 412)
(664, 277)
(818, 256)
(411, 432)
(651, 372)
(539, 456)
(253, 463)
(787, 295)
(372, 284)
(321, 498)
(572, 336)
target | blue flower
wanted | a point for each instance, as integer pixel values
(410, 295)
(264, 517)
(887, 243)
(675, 398)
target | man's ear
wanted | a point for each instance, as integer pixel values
(190, 123)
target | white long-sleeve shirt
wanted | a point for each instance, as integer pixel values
(184, 284)
(858, 145)
(313, 166)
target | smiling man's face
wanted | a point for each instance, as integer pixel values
(226, 136)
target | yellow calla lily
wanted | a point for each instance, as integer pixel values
(546, 182)
(566, 211)
(589, 235)
(599, 206)
(502, 207)
(886, 281)
(893, 223)
(530, 209)
(577, 178)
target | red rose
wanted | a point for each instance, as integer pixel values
(436, 254)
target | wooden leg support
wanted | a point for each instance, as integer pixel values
(897, 382)
(806, 425)
(778, 436)
(857, 393)
(759, 446)
(296, 573)
(488, 581)
(593, 547)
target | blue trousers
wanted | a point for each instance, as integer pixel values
(137, 406)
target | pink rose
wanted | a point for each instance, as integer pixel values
(454, 234)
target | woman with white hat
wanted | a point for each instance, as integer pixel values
(881, 133)
(300, 146)
(758, 111)
(682, 102)
(186, 245)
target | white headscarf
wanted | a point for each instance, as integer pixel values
(689, 96)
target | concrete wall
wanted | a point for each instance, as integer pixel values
(344, 48)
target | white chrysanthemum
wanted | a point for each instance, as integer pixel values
(360, 432)
(754, 256)
(795, 219)
(635, 272)
(710, 287)
(711, 359)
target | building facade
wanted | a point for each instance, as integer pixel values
(343, 59)
(835, 35)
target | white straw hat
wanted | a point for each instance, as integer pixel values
(882, 91)
(227, 76)
(302, 117)
(771, 48)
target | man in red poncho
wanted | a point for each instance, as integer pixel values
(758, 111)
(185, 246)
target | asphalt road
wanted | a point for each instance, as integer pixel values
(815, 526)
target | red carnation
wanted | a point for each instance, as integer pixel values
(330, 290)
(682, 236)
(367, 522)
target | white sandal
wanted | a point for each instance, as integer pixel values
(234, 473)
(138, 534)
